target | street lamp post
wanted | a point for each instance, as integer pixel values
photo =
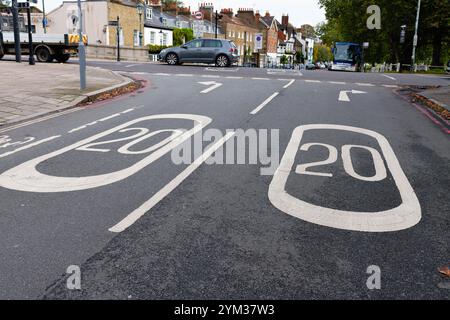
(30, 37)
(413, 57)
(44, 19)
(140, 10)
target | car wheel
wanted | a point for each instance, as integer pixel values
(172, 59)
(43, 55)
(62, 58)
(222, 61)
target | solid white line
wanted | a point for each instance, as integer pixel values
(289, 84)
(20, 125)
(260, 79)
(314, 81)
(168, 188)
(28, 146)
(265, 103)
(392, 78)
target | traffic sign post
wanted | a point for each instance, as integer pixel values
(30, 36)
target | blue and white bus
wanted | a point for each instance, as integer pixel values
(346, 56)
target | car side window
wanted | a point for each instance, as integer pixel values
(194, 44)
(212, 44)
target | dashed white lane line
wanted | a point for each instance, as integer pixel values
(363, 84)
(110, 117)
(389, 77)
(390, 85)
(289, 84)
(131, 65)
(100, 120)
(210, 76)
(231, 77)
(313, 81)
(183, 75)
(264, 79)
(162, 74)
(28, 146)
(168, 188)
(337, 82)
(265, 103)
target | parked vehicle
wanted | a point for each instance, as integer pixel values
(219, 51)
(46, 46)
(448, 67)
(310, 66)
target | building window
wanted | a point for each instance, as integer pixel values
(152, 37)
(164, 39)
(136, 38)
(148, 13)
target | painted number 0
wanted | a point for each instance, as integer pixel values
(380, 169)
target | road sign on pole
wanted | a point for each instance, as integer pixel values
(259, 41)
(198, 15)
(81, 49)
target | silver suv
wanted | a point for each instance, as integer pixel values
(221, 52)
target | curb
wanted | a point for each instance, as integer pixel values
(84, 98)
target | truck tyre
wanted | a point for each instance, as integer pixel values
(62, 58)
(1, 55)
(43, 55)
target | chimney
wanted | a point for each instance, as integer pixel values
(257, 17)
(207, 9)
(267, 14)
(285, 20)
(246, 14)
(227, 12)
(154, 3)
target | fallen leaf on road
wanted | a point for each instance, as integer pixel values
(445, 271)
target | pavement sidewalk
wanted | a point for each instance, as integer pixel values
(30, 91)
(438, 100)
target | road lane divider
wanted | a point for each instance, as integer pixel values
(289, 84)
(168, 188)
(265, 103)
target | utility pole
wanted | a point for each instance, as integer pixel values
(413, 57)
(118, 39)
(16, 31)
(216, 18)
(30, 36)
(81, 49)
(44, 19)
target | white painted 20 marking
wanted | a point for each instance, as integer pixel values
(405, 216)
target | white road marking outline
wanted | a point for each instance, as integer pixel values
(265, 103)
(389, 77)
(289, 84)
(343, 95)
(213, 85)
(168, 188)
(25, 176)
(36, 143)
(405, 216)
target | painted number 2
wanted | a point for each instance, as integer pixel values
(380, 169)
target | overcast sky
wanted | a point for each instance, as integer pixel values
(300, 11)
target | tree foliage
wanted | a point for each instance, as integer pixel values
(181, 36)
(322, 53)
(347, 22)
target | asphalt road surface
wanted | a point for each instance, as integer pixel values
(362, 180)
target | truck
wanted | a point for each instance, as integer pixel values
(46, 47)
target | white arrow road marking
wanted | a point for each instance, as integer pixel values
(213, 85)
(343, 95)
(168, 188)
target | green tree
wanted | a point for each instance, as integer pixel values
(181, 36)
(322, 53)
